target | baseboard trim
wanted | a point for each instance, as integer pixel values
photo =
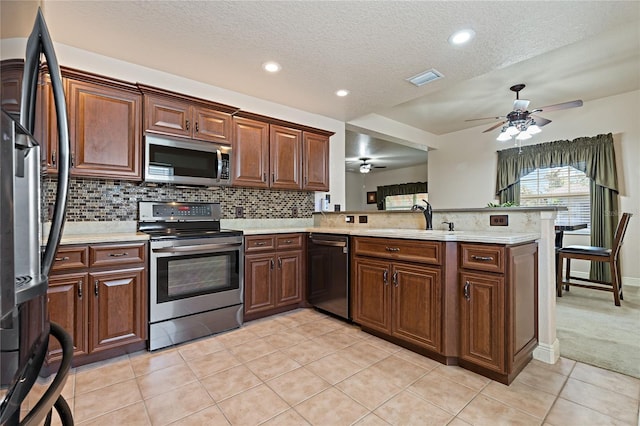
(549, 354)
(626, 281)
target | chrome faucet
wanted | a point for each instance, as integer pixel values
(428, 213)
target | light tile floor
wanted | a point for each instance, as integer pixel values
(305, 368)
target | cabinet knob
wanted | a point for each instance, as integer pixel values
(264, 177)
(467, 296)
(95, 287)
(385, 277)
(393, 249)
(73, 162)
(395, 278)
(60, 259)
(288, 241)
(187, 125)
(197, 127)
(279, 263)
(271, 263)
(53, 158)
(260, 243)
(79, 289)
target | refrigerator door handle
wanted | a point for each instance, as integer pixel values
(40, 42)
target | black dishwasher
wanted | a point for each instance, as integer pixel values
(328, 273)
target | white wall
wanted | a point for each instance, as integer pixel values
(88, 61)
(462, 173)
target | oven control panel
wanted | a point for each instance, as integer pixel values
(154, 211)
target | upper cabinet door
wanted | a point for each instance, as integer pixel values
(315, 162)
(286, 157)
(212, 125)
(168, 116)
(104, 131)
(250, 153)
(11, 85)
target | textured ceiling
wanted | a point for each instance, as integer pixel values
(561, 50)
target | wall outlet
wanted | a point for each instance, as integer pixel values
(239, 212)
(362, 219)
(499, 220)
(294, 212)
(349, 219)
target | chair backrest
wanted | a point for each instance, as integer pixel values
(620, 230)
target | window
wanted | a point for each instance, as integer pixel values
(558, 186)
(404, 202)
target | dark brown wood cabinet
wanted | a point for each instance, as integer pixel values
(179, 115)
(274, 274)
(315, 162)
(498, 306)
(397, 289)
(97, 293)
(104, 129)
(11, 85)
(285, 157)
(250, 153)
(268, 155)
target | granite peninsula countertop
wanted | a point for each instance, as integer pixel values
(112, 232)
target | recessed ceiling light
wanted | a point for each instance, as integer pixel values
(271, 66)
(461, 37)
(342, 92)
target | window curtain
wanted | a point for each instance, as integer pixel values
(594, 156)
(399, 189)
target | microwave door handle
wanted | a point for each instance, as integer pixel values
(219, 153)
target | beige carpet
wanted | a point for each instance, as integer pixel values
(591, 329)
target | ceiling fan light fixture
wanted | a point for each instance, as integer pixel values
(533, 129)
(512, 130)
(365, 168)
(503, 136)
(523, 136)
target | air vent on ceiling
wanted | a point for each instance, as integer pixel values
(425, 77)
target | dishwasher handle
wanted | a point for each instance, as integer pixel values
(330, 243)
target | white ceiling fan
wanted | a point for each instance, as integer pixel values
(366, 167)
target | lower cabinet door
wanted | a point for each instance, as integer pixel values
(289, 280)
(116, 305)
(482, 334)
(417, 305)
(68, 307)
(372, 294)
(259, 282)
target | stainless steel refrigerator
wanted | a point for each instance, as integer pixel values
(24, 267)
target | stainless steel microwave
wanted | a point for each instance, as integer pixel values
(186, 162)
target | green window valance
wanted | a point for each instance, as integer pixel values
(594, 156)
(399, 189)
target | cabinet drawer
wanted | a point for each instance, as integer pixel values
(288, 241)
(70, 258)
(256, 243)
(409, 250)
(483, 257)
(116, 254)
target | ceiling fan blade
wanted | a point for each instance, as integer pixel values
(379, 167)
(540, 121)
(520, 104)
(564, 105)
(495, 126)
(486, 118)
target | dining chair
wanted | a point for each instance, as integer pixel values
(594, 254)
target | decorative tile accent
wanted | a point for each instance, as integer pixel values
(116, 200)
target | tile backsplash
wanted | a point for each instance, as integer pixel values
(117, 200)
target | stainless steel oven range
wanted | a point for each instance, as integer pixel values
(196, 271)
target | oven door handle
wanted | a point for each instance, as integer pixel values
(196, 248)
